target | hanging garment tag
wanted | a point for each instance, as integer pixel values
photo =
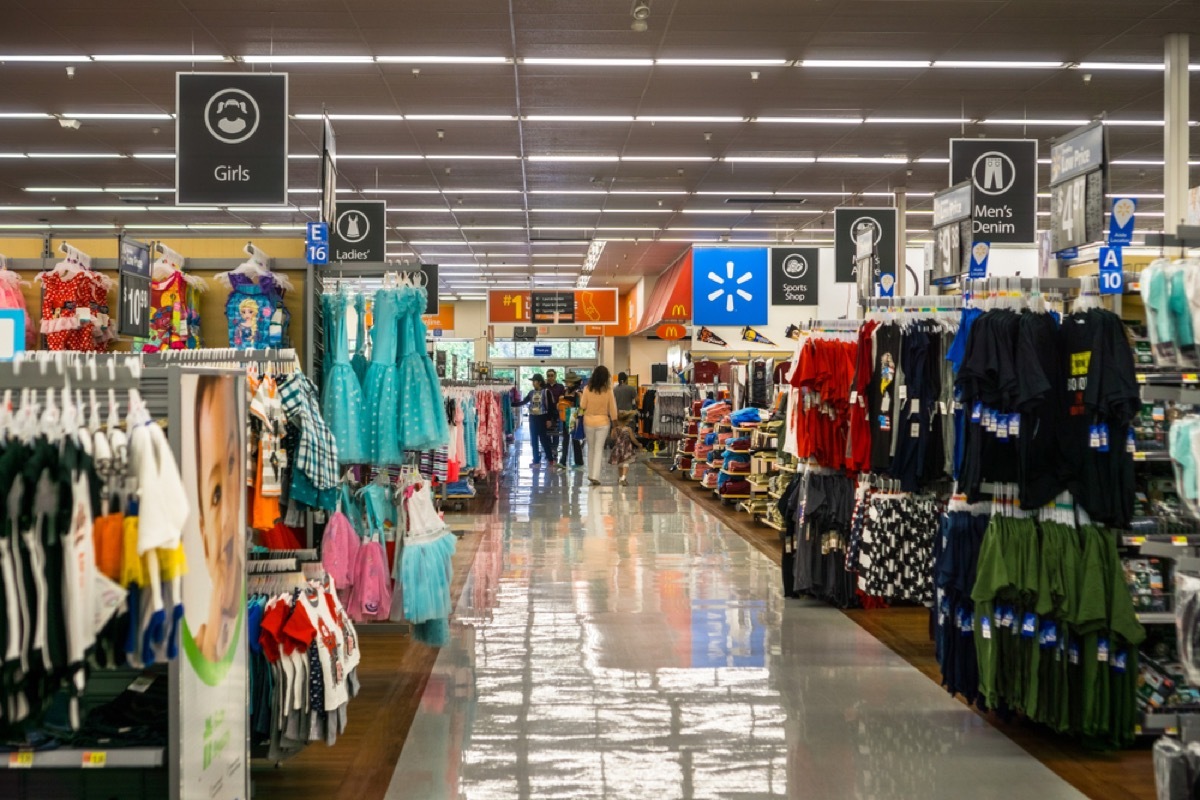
(885, 423)
(1130, 442)
(942, 407)
(1048, 637)
(902, 391)
(915, 431)
(1119, 661)
(1029, 625)
(1014, 425)
(854, 398)
(1073, 653)
(1006, 617)
(968, 627)
(977, 412)
(914, 407)
(1102, 649)
(1094, 437)
(1002, 426)
(885, 403)
(1103, 428)
(985, 627)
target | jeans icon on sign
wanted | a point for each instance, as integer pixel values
(993, 173)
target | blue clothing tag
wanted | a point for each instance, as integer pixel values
(1119, 661)
(1006, 617)
(985, 626)
(968, 626)
(1048, 636)
(1102, 649)
(1002, 426)
(977, 412)
(1103, 430)
(1029, 625)
(1130, 441)
(1073, 652)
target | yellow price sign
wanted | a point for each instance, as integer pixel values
(1191, 377)
(1179, 540)
(1139, 456)
(1138, 541)
(22, 759)
(1141, 378)
(94, 759)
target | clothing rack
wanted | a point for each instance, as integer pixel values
(78, 371)
(916, 303)
(205, 356)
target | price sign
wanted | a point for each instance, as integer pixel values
(1068, 214)
(94, 759)
(1078, 163)
(133, 313)
(1112, 271)
(22, 759)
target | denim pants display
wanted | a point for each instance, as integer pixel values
(596, 437)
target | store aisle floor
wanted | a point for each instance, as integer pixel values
(620, 643)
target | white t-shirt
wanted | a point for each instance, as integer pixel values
(162, 500)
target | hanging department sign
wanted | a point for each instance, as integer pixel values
(358, 232)
(848, 223)
(794, 276)
(1004, 174)
(553, 308)
(231, 138)
(133, 270)
(729, 286)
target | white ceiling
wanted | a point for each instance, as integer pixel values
(628, 140)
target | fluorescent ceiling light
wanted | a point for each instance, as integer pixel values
(771, 159)
(811, 120)
(418, 209)
(667, 158)
(158, 115)
(23, 115)
(589, 62)
(64, 189)
(365, 157)
(688, 119)
(564, 211)
(45, 59)
(636, 192)
(561, 243)
(77, 227)
(352, 117)
(159, 156)
(493, 227)
(724, 211)
(1136, 123)
(574, 158)
(426, 227)
(789, 211)
(576, 118)
(163, 58)
(461, 117)
(33, 208)
(722, 62)
(307, 156)
(274, 226)
(1075, 122)
(861, 160)
(881, 64)
(998, 64)
(156, 226)
(574, 191)
(638, 210)
(626, 228)
(464, 157)
(393, 191)
(932, 160)
(918, 120)
(442, 60)
(1120, 65)
(188, 209)
(267, 209)
(220, 226)
(280, 59)
(110, 208)
(74, 155)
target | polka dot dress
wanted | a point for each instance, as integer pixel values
(382, 382)
(342, 397)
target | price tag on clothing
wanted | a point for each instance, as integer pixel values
(985, 627)
(977, 411)
(1073, 653)
(1102, 650)
(902, 391)
(914, 407)
(1119, 661)
(21, 759)
(94, 759)
(1103, 427)
(1130, 442)
(854, 398)
(1002, 426)
(1014, 425)
(885, 403)
(942, 407)
(1048, 636)
(915, 431)
(1094, 437)
(1029, 625)
(1006, 617)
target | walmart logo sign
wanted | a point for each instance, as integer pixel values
(729, 286)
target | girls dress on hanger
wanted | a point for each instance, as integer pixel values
(342, 397)
(382, 388)
(426, 569)
(13, 299)
(359, 361)
(423, 424)
(75, 309)
(174, 315)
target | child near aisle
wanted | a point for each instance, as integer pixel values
(625, 445)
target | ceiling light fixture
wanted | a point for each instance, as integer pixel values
(577, 118)
(810, 120)
(443, 60)
(861, 63)
(640, 13)
(998, 64)
(44, 59)
(919, 120)
(669, 118)
(722, 62)
(162, 58)
(589, 62)
(1063, 122)
(23, 115)
(581, 158)
(460, 117)
(158, 115)
(770, 159)
(280, 59)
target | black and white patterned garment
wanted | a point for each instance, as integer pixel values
(895, 560)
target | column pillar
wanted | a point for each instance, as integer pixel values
(1175, 131)
(901, 241)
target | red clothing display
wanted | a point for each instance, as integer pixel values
(824, 375)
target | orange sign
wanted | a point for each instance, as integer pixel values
(592, 306)
(443, 320)
(671, 331)
(593, 330)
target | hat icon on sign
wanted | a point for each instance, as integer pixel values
(231, 116)
(353, 226)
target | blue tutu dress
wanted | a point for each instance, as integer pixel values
(341, 396)
(359, 361)
(382, 384)
(423, 423)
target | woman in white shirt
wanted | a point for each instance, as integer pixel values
(599, 409)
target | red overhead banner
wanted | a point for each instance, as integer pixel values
(671, 300)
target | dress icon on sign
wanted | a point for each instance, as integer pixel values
(352, 228)
(715, 295)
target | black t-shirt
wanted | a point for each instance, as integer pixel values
(884, 398)
(1041, 401)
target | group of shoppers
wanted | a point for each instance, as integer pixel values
(608, 413)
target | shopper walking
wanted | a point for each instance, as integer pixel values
(625, 394)
(540, 420)
(599, 409)
(568, 410)
(555, 389)
(625, 446)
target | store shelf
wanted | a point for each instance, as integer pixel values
(1157, 378)
(1178, 540)
(92, 758)
(1159, 456)
(1156, 618)
(773, 525)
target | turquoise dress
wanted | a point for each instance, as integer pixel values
(381, 382)
(341, 396)
(423, 423)
(359, 362)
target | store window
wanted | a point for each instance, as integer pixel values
(464, 349)
(583, 350)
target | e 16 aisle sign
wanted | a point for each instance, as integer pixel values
(231, 138)
(1004, 175)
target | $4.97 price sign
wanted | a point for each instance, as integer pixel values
(1068, 214)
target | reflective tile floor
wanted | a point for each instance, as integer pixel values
(619, 643)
